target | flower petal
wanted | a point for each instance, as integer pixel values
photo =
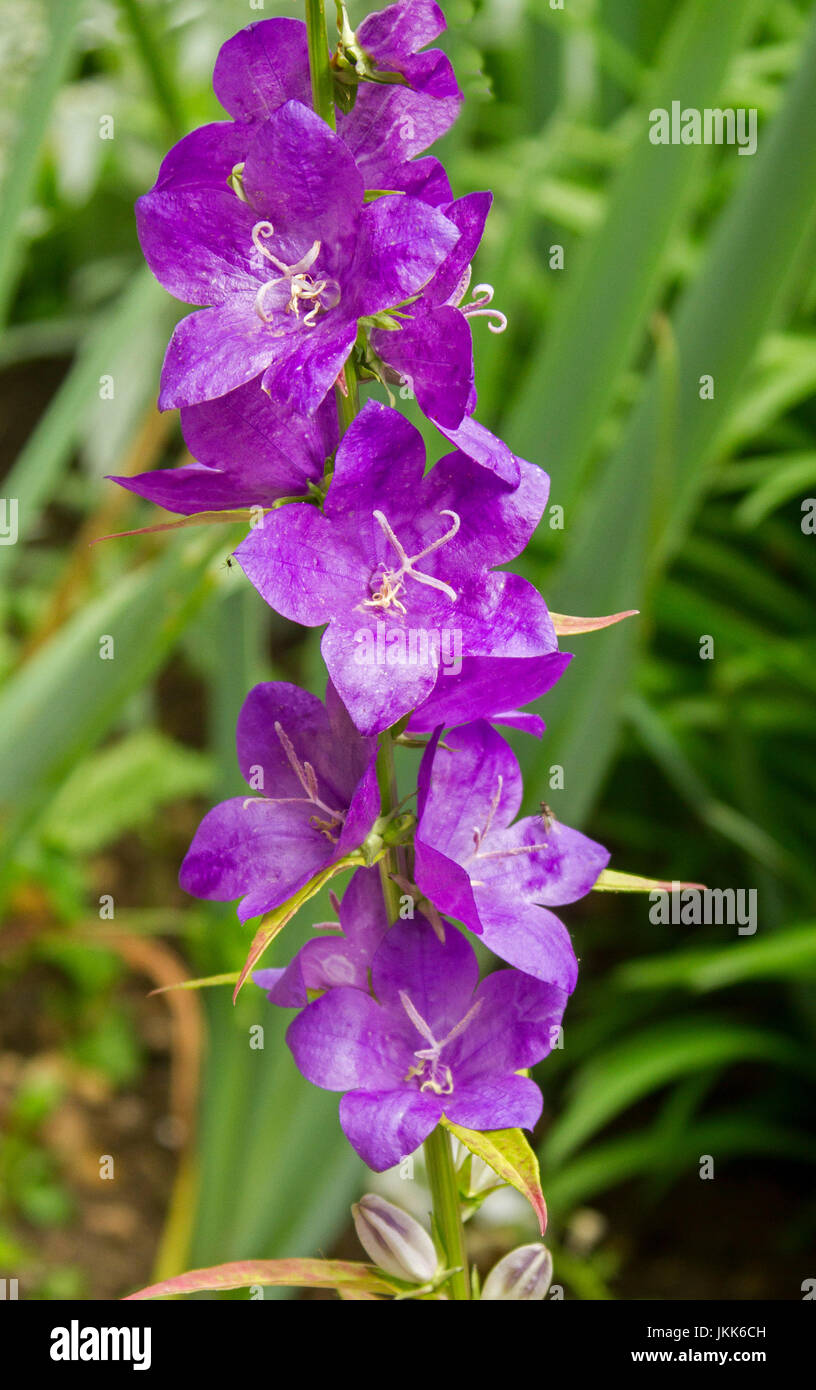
(251, 847)
(513, 1102)
(261, 67)
(301, 177)
(342, 1041)
(203, 159)
(402, 242)
(198, 243)
(439, 976)
(296, 565)
(517, 1026)
(484, 448)
(385, 1126)
(475, 780)
(379, 465)
(305, 362)
(488, 688)
(469, 215)
(245, 436)
(213, 351)
(562, 867)
(433, 354)
(531, 938)
(374, 697)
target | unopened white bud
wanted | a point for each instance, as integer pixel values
(524, 1275)
(394, 1240)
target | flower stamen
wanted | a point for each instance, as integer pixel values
(392, 582)
(323, 294)
(440, 1077)
(478, 835)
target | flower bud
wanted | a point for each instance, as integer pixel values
(394, 1240)
(524, 1275)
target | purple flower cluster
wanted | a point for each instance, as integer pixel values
(320, 259)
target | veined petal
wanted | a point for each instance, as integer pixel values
(375, 692)
(246, 437)
(198, 243)
(510, 1102)
(261, 850)
(516, 1026)
(402, 242)
(379, 465)
(384, 1126)
(214, 350)
(342, 1041)
(562, 867)
(469, 215)
(297, 567)
(439, 976)
(489, 688)
(398, 31)
(203, 159)
(301, 177)
(306, 362)
(391, 125)
(261, 67)
(433, 353)
(531, 938)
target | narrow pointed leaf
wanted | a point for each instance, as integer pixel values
(569, 627)
(228, 978)
(275, 921)
(613, 881)
(508, 1153)
(303, 1274)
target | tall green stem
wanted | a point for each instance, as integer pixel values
(438, 1156)
(322, 80)
(387, 781)
(447, 1210)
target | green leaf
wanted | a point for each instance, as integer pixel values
(571, 380)
(33, 118)
(120, 788)
(48, 450)
(648, 1061)
(66, 697)
(227, 977)
(613, 881)
(606, 1165)
(274, 922)
(508, 1153)
(788, 955)
(303, 1274)
(636, 514)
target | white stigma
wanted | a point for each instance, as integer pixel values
(322, 294)
(477, 308)
(392, 582)
(440, 1079)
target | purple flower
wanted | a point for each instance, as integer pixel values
(287, 268)
(340, 959)
(400, 566)
(431, 1042)
(500, 879)
(492, 688)
(267, 64)
(248, 455)
(319, 801)
(432, 349)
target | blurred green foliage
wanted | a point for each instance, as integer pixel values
(678, 262)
